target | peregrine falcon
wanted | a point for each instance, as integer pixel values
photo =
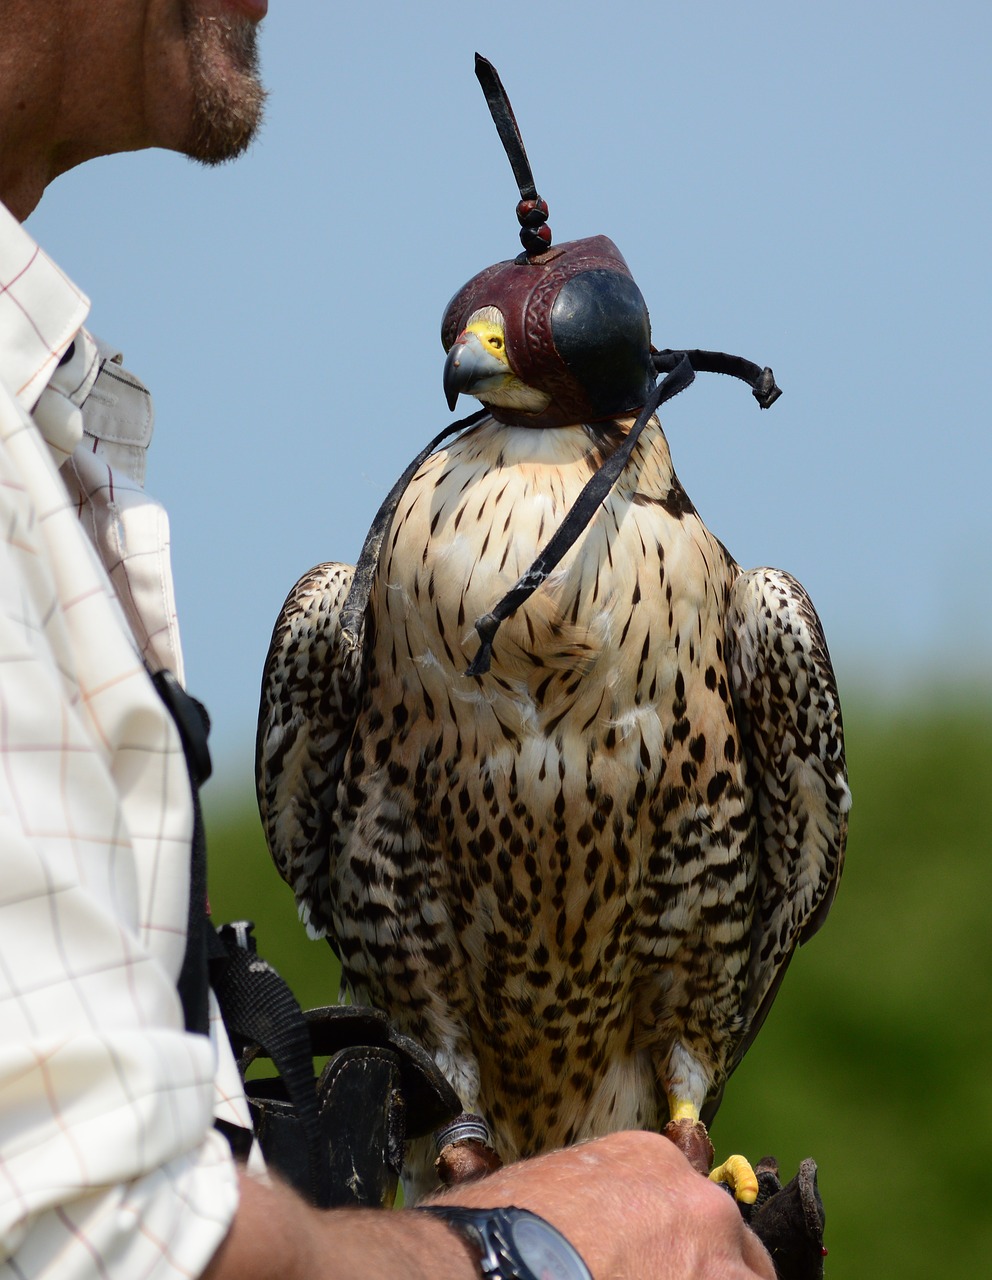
(573, 862)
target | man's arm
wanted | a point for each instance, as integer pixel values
(630, 1204)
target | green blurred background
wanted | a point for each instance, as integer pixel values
(876, 1057)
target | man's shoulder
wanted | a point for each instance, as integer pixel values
(41, 310)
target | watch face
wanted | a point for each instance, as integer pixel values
(546, 1253)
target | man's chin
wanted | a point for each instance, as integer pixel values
(210, 145)
(228, 97)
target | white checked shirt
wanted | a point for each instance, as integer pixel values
(109, 1165)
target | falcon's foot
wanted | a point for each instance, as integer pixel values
(689, 1134)
(465, 1151)
(737, 1173)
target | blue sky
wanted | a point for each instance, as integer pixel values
(807, 186)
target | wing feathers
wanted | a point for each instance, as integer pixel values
(310, 691)
(786, 701)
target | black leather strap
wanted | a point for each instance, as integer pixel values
(582, 510)
(353, 610)
(506, 126)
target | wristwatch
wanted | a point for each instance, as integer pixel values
(514, 1244)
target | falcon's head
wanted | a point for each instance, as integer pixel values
(551, 340)
(478, 365)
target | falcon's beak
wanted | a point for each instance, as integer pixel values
(471, 369)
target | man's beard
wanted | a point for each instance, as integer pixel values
(227, 93)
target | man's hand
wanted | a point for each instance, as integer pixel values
(630, 1204)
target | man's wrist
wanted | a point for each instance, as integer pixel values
(448, 1250)
(513, 1244)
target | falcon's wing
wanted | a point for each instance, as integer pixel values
(788, 711)
(311, 687)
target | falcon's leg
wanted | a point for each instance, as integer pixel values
(689, 1134)
(685, 1089)
(465, 1151)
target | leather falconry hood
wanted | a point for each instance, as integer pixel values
(576, 328)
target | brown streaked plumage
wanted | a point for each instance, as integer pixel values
(577, 879)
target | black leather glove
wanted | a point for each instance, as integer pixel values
(789, 1220)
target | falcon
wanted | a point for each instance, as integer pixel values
(562, 784)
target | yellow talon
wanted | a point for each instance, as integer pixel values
(739, 1176)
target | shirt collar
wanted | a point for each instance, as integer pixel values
(40, 313)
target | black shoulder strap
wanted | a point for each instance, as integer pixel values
(193, 724)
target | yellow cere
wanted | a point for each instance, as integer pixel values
(490, 335)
